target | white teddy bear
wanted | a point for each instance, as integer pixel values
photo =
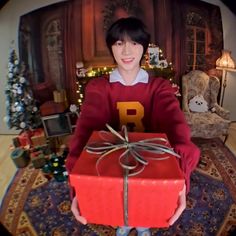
(198, 104)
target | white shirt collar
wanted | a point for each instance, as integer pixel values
(142, 77)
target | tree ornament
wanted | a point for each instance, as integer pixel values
(10, 75)
(74, 109)
(18, 108)
(22, 80)
(10, 67)
(19, 91)
(22, 125)
(14, 86)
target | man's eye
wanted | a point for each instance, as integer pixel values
(119, 43)
(134, 43)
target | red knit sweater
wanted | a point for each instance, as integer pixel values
(149, 107)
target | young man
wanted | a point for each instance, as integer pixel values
(130, 97)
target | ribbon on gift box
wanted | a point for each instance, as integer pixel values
(131, 159)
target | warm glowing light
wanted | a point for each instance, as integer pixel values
(90, 74)
(225, 61)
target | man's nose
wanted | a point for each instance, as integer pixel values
(126, 48)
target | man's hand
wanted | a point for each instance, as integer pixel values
(181, 206)
(75, 211)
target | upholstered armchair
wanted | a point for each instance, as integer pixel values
(206, 118)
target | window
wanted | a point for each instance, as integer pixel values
(196, 42)
(53, 52)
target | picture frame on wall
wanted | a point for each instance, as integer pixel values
(153, 56)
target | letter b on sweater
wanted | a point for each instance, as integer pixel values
(131, 113)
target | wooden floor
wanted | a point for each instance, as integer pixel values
(8, 169)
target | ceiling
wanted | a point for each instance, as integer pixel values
(3, 2)
(228, 3)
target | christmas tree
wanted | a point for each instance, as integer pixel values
(22, 111)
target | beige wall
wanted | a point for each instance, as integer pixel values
(9, 20)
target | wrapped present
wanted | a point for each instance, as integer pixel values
(38, 159)
(38, 138)
(24, 138)
(16, 142)
(38, 132)
(147, 196)
(45, 149)
(59, 96)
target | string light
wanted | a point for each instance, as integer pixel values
(161, 69)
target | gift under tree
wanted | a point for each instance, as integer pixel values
(22, 112)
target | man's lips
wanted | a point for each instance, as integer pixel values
(127, 60)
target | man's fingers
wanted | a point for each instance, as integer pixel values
(81, 219)
(177, 214)
(181, 206)
(183, 192)
(76, 213)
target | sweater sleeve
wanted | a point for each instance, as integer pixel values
(94, 115)
(170, 120)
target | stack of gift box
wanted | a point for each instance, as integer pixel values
(40, 148)
(25, 146)
(39, 155)
(29, 138)
(32, 146)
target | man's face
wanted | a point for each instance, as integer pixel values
(127, 54)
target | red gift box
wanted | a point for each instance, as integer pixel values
(24, 138)
(38, 132)
(38, 137)
(152, 194)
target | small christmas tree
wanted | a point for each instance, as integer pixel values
(22, 111)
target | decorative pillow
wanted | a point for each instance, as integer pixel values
(198, 104)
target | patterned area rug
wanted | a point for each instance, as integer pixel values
(35, 205)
